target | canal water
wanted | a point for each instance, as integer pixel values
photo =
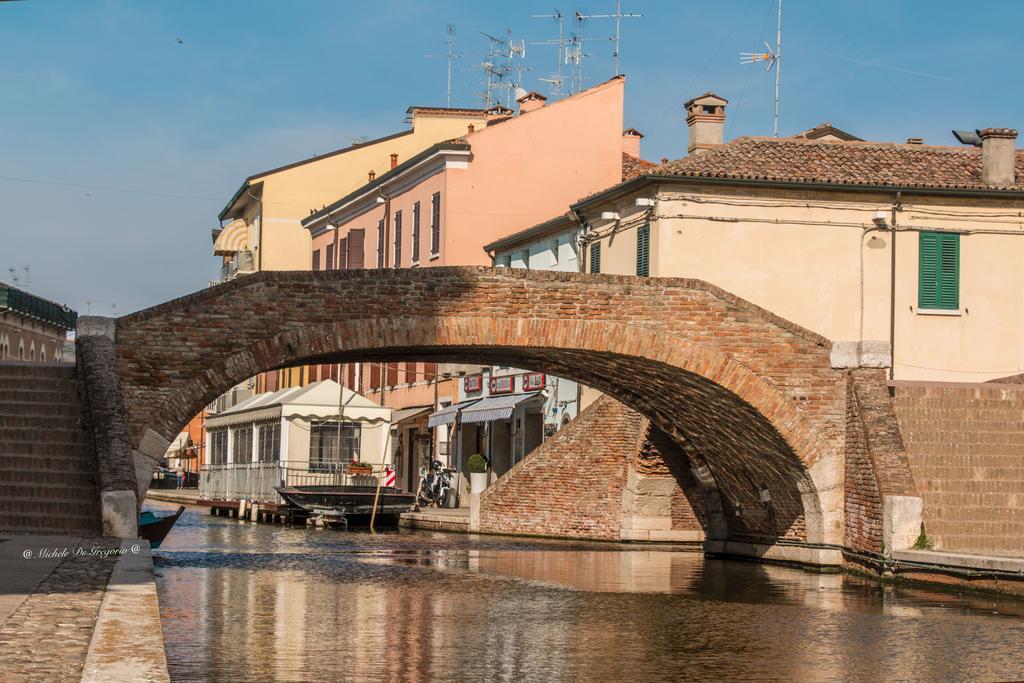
(245, 601)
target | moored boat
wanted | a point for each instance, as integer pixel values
(155, 529)
(348, 500)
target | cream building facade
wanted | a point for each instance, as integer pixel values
(904, 255)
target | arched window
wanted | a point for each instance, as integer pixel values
(21, 349)
(32, 352)
(42, 355)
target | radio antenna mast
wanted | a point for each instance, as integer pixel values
(772, 58)
(451, 55)
(557, 81)
(618, 17)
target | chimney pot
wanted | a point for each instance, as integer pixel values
(394, 160)
(631, 142)
(470, 128)
(915, 141)
(998, 156)
(371, 175)
(530, 101)
(705, 119)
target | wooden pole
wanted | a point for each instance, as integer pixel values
(376, 497)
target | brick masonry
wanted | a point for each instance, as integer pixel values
(48, 477)
(751, 392)
(966, 449)
(876, 460)
(572, 485)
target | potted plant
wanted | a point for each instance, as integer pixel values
(477, 473)
(357, 468)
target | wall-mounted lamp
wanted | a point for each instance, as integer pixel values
(609, 216)
(880, 219)
(645, 201)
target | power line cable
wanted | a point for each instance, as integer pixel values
(704, 68)
(54, 183)
(866, 57)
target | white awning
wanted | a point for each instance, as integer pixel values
(496, 407)
(233, 238)
(408, 413)
(446, 416)
(244, 416)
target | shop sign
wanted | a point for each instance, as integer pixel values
(534, 381)
(505, 384)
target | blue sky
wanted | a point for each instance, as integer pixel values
(99, 96)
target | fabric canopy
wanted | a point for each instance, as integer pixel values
(406, 413)
(446, 416)
(496, 407)
(232, 239)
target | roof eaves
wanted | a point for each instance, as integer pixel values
(384, 178)
(556, 224)
(303, 162)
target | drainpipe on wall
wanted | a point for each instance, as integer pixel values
(892, 289)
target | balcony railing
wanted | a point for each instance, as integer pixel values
(242, 263)
(256, 481)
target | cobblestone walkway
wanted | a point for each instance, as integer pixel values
(47, 637)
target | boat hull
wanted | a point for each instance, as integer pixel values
(156, 531)
(348, 500)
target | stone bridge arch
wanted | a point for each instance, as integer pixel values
(753, 394)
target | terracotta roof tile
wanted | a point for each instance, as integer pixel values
(634, 166)
(842, 163)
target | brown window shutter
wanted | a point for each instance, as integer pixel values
(351, 376)
(343, 254)
(356, 239)
(392, 374)
(410, 373)
(374, 376)
(429, 371)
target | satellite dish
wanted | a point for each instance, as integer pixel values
(519, 93)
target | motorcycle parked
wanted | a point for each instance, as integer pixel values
(435, 485)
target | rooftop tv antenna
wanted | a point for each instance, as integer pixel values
(618, 17)
(556, 82)
(504, 58)
(771, 58)
(451, 56)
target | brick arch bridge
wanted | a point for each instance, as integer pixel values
(754, 398)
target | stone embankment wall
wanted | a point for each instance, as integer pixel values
(965, 443)
(608, 476)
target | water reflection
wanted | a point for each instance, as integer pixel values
(257, 602)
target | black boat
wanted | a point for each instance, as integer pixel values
(348, 500)
(154, 529)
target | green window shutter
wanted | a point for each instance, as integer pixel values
(939, 271)
(595, 257)
(643, 251)
(949, 272)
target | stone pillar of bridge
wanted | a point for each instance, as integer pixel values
(118, 481)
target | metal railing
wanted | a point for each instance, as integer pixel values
(256, 481)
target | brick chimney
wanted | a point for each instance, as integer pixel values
(394, 160)
(631, 142)
(998, 156)
(705, 119)
(530, 101)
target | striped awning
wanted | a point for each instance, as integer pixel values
(496, 407)
(242, 417)
(446, 416)
(233, 238)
